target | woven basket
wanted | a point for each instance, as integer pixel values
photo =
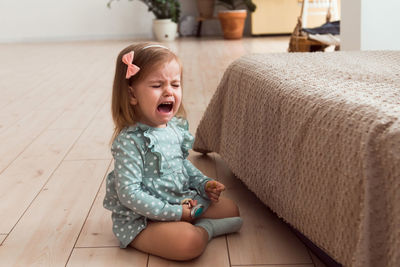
(303, 44)
(299, 41)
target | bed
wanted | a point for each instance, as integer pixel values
(316, 136)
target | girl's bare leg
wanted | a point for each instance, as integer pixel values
(172, 240)
(182, 240)
(224, 208)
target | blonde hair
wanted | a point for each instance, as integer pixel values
(122, 111)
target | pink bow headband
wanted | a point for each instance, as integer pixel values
(128, 59)
(132, 68)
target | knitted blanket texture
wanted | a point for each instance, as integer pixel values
(316, 136)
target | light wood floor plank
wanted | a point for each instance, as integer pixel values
(70, 92)
(263, 239)
(14, 73)
(50, 87)
(47, 232)
(225, 175)
(94, 143)
(79, 115)
(18, 110)
(107, 257)
(17, 138)
(2, 237)
(194, 118)
(54, 78)
(215, 254)
(74, 119)
(205, 163)
(25, 177)
(97, 231)
(82, 109)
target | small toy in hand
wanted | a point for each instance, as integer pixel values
(211, 185)
(196, 211)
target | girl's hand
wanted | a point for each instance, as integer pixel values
(186, 209)
(186, 213)
(214, 189)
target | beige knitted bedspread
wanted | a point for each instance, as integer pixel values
(316, 136)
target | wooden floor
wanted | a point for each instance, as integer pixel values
(55, 128)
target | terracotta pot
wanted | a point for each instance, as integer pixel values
(206, 8)
(232, 23)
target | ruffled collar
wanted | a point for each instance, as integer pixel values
(150, 141)
(177, 121)
(144, 127)
(178, 125)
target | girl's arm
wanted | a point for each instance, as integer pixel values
(197, 180)
(206, 187)
(128, 172)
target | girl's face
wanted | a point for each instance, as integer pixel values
(157, 98)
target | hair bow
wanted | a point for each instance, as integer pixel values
(132, 68)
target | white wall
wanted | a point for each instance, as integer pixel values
(370, 25)
(65, 20)
(53, 20)
(380, 24)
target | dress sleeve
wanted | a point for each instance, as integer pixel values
(197, 180)
(128, 169)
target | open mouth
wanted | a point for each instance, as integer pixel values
(165, 107)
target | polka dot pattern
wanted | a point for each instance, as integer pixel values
(150, 178)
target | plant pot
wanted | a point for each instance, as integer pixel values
(206, 8)
(232, 23)
(164, 29)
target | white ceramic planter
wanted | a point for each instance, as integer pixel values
(164, 29)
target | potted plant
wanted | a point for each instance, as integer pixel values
(232, 20)
(167, 13)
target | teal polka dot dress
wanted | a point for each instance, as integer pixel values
(151, 177)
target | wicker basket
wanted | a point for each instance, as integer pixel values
(299, 41)
(303, 44)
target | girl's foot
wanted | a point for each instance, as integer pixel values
(216, 227)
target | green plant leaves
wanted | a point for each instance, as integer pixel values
(235, 4)
(162, 9)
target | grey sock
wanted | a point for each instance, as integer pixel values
(216, 227)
